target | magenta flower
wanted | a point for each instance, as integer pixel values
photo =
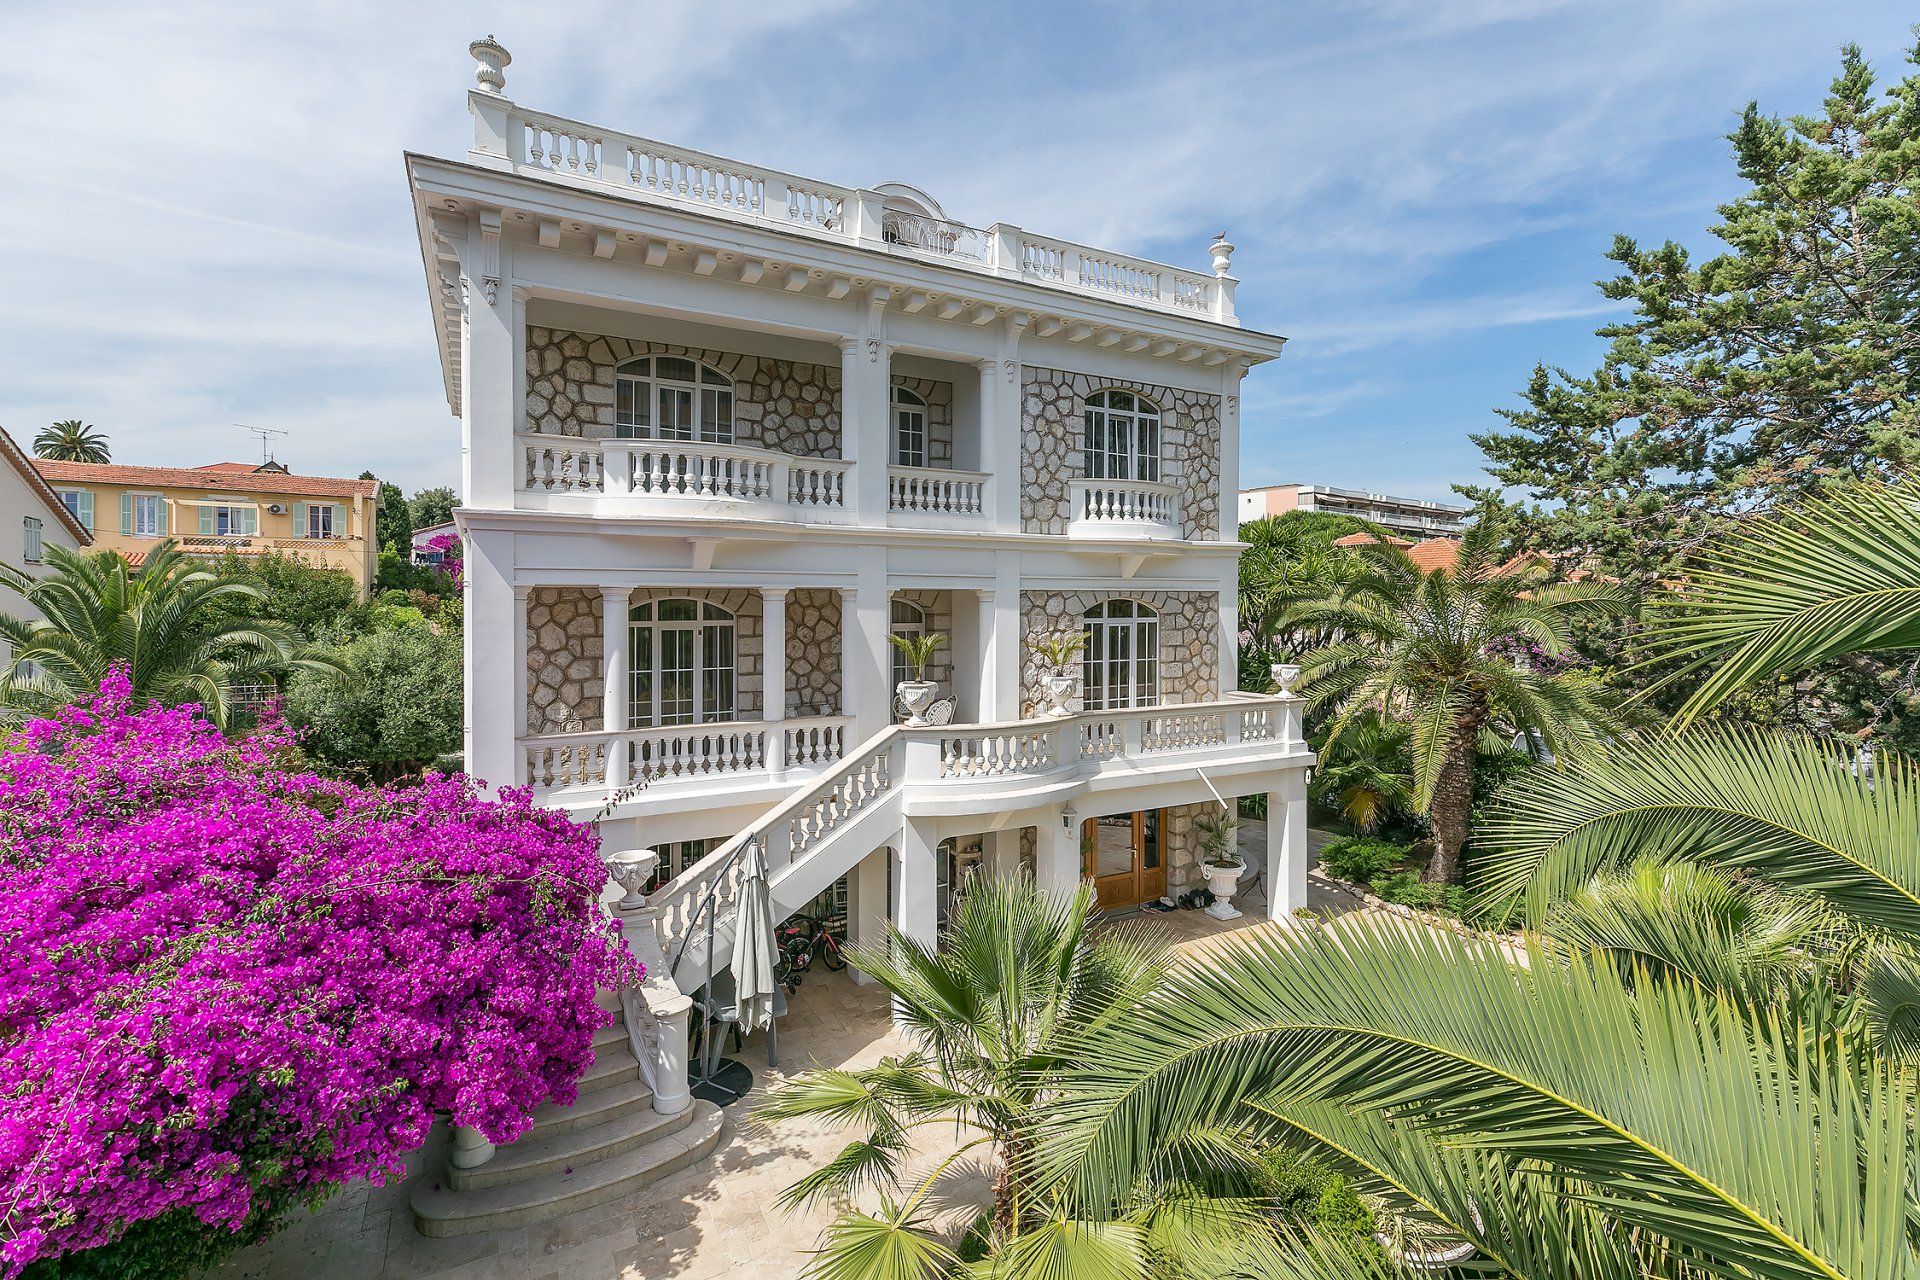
(224, 977)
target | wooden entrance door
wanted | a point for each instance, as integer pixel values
(1124, 854)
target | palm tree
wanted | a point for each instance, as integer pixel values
(171, 623)
(1434, 647)
(72, 440)
(1706, 1064)
(1365, 772)
(1018, 982)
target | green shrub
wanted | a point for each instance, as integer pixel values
(1358, 859)
(399, 708)
(1407, 889)
(1311, 1193)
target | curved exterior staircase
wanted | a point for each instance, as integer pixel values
(613, 1140)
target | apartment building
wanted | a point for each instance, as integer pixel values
(242, 508)
(1411, 517)
(727, 429)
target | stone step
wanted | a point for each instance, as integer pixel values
(441, 1211)
(611, 1103)
(530, 1158)
(615, 1034)
(613, 1063)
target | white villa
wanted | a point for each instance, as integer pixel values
(725, 430)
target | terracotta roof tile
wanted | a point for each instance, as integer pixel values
(29, 471)
(1435, 553)
(212, 478)
(1365, 539)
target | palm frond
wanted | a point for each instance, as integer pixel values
(889, 1246)
(1786, 809)
(1832, 576)
(1687, 1116)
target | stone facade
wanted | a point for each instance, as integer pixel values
(783, 405)
(813, 653)
(1183, 847)
(1053, 438)
(1189, 639)
(565, 664)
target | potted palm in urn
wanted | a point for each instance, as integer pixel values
(916, 695)
(1219, 838)
(1060, 660)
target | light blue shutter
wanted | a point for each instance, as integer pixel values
(249, 520)
(339, 521)
(160, 517)
(299, 519)
(126, 513)
(86, 510)
(207, 525)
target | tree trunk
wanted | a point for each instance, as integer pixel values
(1452, 807)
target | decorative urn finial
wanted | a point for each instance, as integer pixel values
(1222, 250)
(1284, 674)
(491, 59)
(631, 869)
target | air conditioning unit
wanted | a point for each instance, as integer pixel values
(276, 508)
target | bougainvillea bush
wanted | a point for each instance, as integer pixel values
(230, 985)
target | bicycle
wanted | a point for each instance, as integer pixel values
(807, 937)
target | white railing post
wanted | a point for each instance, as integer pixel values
(865, 212)
(1289, 714)
(1133, 729)
(616, 469)
(1007, 249)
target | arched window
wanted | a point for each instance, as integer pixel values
(672, 398)
(680, 664)
(908, 621)
(1121, 664)
(909, 429)
(1123, 436)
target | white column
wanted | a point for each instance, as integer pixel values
(1056, 860)
(1230, 375)
(1229, 638)
(520, 595)
(773, 675)
(1287, 855)
(866, 692)
(1000, 851)
(491, 396)
(865, 364)
(867, 905)
(916, 884)
(1002, 625)
(492, 612)
(613, 684)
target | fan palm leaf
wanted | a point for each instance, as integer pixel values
(1833, 576)
(1684, 1115)
(1789, 810)
(72, 440)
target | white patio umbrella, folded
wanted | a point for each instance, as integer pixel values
(754, 983)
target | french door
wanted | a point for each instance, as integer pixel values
(1121, 664)
(1124, 855)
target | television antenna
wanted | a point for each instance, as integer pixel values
(265, 436)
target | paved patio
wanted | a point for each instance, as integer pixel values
(715, 1219)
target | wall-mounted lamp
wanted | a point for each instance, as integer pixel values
(1066, 818)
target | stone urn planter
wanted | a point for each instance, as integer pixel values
(1061, 691)
(916, 696)
(1222, 879)
(1284, 674)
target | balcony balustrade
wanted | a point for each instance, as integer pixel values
(544, 145)
(1123, 509)
(724, 752)
(663, 477)
(937, 491)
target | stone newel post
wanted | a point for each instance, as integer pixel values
(655, 1011)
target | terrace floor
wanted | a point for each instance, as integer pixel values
(716, 1219)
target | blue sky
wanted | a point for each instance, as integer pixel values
(206, 222)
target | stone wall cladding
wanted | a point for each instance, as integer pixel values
(784, 405)
(564, 659)
(1189, 639)
(564, 667)
(938, 606)
(1183, 847)
(1053, 435)
(939, 398)
(813, 652)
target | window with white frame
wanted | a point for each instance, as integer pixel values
(680, 656)
(909, 429)
(147, 518)
(320, 520)
(229, 519)
(672, 398)
(31, 546)
(1120, 666)
(675, 857)
(909, 622)
(79, 502)
(1123, 436)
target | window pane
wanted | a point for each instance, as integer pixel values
(639, 676)
(676, 413)
(677, 705)
(718, 660)
(1149, 447)
(631, 402)
(716, 415)
(1120, 400)
(715, 378)
(673, 367)
(679, 611)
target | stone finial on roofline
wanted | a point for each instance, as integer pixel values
(492, 59)
(1222, 251)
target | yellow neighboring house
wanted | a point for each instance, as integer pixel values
(241, 507)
